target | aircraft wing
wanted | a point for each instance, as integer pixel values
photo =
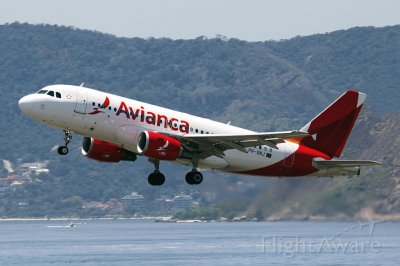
(215, 144)
(325, 164)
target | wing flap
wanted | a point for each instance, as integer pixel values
(212, 138)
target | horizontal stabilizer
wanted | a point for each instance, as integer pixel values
(323, 164)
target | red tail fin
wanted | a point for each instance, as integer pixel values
(331, 128)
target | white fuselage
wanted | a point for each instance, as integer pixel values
(120, 120)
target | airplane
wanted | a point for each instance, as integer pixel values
(120, 129)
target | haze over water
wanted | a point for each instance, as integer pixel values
(128, 242)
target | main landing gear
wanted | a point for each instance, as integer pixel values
(194, 177)
(157, 178)
(63, 150)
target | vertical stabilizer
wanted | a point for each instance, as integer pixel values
(330, 129)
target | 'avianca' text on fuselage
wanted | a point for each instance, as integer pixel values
(151, 118)
(135, 128)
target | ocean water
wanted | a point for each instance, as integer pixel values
(129, 242)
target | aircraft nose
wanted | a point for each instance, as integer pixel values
(25, 104)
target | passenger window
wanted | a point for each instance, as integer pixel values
(51, 93)
(58, 95)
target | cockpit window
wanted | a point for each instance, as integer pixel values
(50, 93)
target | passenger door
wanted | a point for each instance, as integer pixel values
(81, 101)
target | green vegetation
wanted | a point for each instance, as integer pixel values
(263, 86)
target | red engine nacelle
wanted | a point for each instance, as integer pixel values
(104, 151)
(158, 146)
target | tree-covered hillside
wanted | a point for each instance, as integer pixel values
(261, 86)
(363, 58)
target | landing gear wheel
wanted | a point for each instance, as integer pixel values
(197, 178)
(194, 177)
(156, 178)
(62, 150)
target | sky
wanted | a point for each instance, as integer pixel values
(251, 20)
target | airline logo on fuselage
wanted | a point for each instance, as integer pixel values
(145, 116)
(105, 104)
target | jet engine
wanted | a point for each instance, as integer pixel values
(104, 151)
(158, 146)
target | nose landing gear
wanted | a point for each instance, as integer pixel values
(63, 150)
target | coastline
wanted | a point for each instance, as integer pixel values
(169, 219)
(30, 219)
